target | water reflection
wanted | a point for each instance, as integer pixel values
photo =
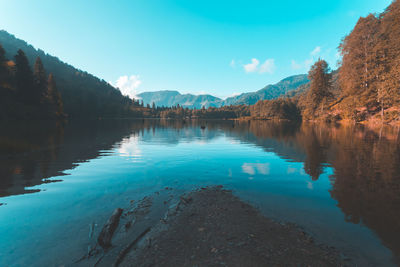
(31, 152)
(365, 162)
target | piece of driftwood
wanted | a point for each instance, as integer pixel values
(125, 251)
(106, 234)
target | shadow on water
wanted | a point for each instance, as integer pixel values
(366, 162)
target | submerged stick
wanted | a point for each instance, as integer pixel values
(125, 251)
(108, 230)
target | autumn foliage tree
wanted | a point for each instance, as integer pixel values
(320, 89)
(370, 69)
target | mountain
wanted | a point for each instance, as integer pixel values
(269, 92)
(83, 94)
(173, 98)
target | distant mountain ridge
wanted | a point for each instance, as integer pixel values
(173, 98)
(269, 92)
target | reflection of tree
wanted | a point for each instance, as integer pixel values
(32, 152)
(20, 143)
(366, 183)
(366, 180)
(315, 157)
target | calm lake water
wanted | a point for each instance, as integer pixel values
(341, 184)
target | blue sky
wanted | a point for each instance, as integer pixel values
(197, 46)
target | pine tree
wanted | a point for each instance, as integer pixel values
(39, 75)
(3, 67)
(54, 101)
(2, 54)
(24, 78)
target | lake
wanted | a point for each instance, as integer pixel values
(340, 183)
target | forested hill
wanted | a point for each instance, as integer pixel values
(83, 94)
(173, 98)
(269, 92)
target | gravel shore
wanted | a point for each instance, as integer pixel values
(212, 227)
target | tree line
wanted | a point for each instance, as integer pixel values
(26, 92)
(365, 87)
(368, 76)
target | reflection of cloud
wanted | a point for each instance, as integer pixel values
(129, 147)
(263, 168)
(234, 141)
(230, 172)
(250, 168)
(291, 170)
(302, 172)
(310, 185)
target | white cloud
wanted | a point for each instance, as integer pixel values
(252, 67)
(316, 51)
(306, 64)
(296, 66)
(268, 66)
(128, 85)
(233, 63)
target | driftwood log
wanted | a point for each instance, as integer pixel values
(109, 228)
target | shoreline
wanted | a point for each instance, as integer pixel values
(205, 227)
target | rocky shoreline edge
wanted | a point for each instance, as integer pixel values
(206, 227)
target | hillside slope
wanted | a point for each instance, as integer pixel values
(270, 91)
(83, 94)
